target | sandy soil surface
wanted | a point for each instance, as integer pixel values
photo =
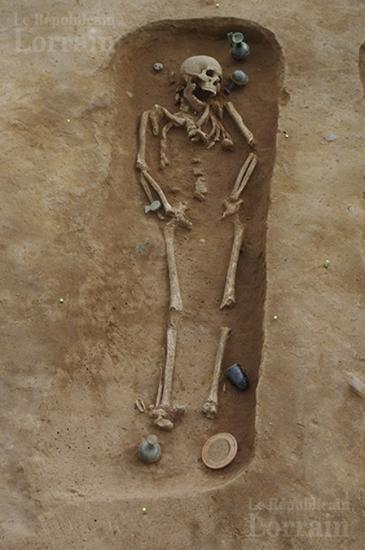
(85, 292)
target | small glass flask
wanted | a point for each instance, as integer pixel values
(239, 49)
(149, 450)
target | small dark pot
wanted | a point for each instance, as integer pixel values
(237, 377)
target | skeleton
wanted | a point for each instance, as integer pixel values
(200, 113)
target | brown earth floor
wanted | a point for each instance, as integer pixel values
(72, 226)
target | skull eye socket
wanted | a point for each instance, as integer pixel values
(210, 72)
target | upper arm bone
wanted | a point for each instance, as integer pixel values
(232, 111)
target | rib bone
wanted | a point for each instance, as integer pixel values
(164, 413)
(229, 296)
(203, 118)
(210, 407)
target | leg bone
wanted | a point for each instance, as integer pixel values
(164, 413)
(175, 295)
(229, 296)
(159, 390)
(210, 407)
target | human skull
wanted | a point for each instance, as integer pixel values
(201, 80)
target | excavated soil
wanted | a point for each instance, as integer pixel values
(84, 294)
(117, 355)
(202, 254)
